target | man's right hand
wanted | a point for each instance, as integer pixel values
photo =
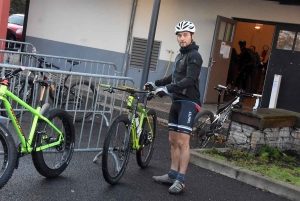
(149, 85)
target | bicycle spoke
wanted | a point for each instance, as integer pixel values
(203, 129)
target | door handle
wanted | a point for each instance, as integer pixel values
(212, 61)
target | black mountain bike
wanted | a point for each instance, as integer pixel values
(208, 126)
(80, 96)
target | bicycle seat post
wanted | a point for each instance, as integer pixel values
(219, 99)
(42, 94)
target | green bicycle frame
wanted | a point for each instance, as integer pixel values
(26, 144)
(143, 114)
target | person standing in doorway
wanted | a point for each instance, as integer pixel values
(246, 60)
(183, 86)
(256, 71)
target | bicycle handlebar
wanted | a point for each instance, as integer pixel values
(126, 89)
(239, 91)
(104, 85)
(221, 86)
(47, 64)
(42, 60)
(18, 70)
(13, 73)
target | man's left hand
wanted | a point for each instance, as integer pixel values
(162, 91)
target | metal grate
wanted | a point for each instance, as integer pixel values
(138, 53)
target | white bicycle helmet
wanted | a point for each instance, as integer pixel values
(185, 26)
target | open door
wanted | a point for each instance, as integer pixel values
(219, 57)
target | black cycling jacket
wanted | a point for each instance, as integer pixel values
(183, 83)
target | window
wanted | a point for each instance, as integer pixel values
(16, 19)
(138, 53)
(226, 31)
(285, 40)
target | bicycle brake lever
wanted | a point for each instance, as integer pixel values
(109, 90)
(150, 95)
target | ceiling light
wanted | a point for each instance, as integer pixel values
(258, 26)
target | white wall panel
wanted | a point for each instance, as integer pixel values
(100, 24)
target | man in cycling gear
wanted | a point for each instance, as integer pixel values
(183, 87)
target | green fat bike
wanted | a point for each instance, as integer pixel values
(51, 139)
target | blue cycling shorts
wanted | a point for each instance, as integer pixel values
(182, 115)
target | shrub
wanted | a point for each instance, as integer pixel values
(270, 153)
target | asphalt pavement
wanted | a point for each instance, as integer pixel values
(83, 180)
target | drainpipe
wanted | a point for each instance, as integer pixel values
(151, 36)
(129, 36)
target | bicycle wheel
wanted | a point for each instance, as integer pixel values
(144, 155)
(116, 150)
(8, 155)
(202, 129)
(53, 161)
(82, 98)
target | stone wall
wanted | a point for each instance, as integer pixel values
(248, 138)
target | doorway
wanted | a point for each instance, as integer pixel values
(260, 37)
(282, 58)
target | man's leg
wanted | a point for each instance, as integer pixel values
(175, 159)
(239, 78)
(180, 156)
(175, 151)
(173, 172)
(180, 150)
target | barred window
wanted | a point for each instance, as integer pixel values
(138, 53)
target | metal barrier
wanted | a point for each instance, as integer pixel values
(79, 94)
(9, 57)
(61, 63)
(23, 46)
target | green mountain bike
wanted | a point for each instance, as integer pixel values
(51, 139)
(133, 131)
